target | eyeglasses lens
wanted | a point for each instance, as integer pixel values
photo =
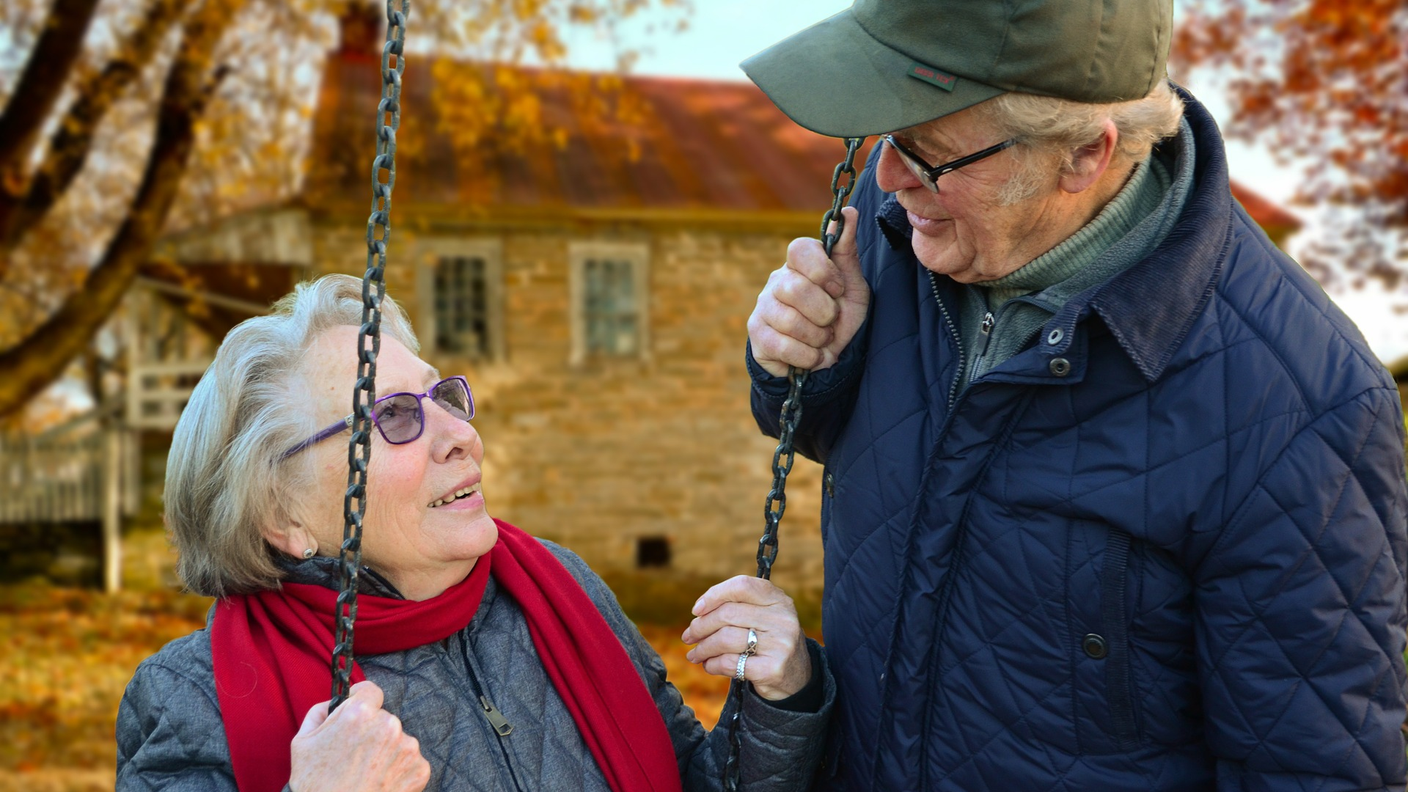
(399, 418)
(919, 169)
(453, 397)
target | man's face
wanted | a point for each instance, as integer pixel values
(964, 230)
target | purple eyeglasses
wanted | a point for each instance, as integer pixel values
(400, 417)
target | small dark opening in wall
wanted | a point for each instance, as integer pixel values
(652, 551)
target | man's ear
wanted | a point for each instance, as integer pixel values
(1089, 162)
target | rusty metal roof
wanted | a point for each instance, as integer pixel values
(687, 146)
(684, 144)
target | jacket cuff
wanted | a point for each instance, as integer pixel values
(809, 698)
(822, 386)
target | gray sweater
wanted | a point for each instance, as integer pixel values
(170, 735)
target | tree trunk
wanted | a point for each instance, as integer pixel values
(41, 358)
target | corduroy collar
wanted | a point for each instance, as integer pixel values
(1150, 306)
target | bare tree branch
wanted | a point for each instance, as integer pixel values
(73, 139)
(39, 87)
(42, 357)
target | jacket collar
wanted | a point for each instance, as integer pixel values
(323, 571)
(1151, 306)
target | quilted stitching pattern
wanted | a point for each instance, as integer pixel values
(170, 737)
(1260, 474)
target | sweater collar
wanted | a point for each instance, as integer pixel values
(1182, 271)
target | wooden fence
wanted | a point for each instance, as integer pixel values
(68, 477)
(51, 479)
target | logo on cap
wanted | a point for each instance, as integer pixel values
(932, 76)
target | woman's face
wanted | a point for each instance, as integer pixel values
(420, 547)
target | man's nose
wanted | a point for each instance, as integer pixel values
(891, 174)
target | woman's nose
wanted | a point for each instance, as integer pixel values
(451, 436)
(891, 174)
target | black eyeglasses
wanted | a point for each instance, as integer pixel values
(400, 417)
(929, 175)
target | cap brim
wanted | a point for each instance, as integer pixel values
(835, 79)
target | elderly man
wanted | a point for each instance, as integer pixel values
(1113, 495)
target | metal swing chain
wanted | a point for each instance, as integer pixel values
(359, 451)
(791, 415)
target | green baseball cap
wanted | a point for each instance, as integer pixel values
(883, 65)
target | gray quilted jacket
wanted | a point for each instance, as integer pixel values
(170, 736)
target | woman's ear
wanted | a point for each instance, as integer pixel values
(289, 536)
(1089, 162)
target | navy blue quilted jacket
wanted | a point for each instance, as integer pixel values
(1162, 549)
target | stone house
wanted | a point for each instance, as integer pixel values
(594, 292)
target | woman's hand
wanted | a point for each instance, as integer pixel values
(780, 665)
(359, 747)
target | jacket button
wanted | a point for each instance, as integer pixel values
(1060, 367)
(1094, 646)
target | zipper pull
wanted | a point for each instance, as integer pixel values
(988, 321)
(496, 718)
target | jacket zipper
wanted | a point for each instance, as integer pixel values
(984, 337)
(497, 721)
(924, 481)
(957, 343)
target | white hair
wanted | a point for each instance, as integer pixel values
(1049, 130)
(226, 477)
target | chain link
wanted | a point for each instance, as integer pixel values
(782, 458)
(359, 450)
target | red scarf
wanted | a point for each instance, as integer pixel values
(272, 652)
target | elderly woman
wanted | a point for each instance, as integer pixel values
(490, 660)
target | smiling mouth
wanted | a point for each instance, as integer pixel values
(460, 493)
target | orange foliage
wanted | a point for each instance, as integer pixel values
(1322, 81)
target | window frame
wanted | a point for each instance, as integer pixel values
(637, 254)
(431, 252)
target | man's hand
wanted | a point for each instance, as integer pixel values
(360, 747)
(812, 306)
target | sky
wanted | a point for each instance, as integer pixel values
(721, 33)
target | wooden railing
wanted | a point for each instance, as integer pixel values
(73, 475)
(51, 479)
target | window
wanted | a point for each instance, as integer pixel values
(462, 306)
(652, 551)
(459, 286)
(609, 300)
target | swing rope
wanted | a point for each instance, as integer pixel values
(782, 458)
(359, 449)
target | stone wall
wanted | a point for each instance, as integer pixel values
(600, 454)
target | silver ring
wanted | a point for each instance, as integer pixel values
(745, 654)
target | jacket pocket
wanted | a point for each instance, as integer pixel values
(1114, 624)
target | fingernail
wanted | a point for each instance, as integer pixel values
(697, 603)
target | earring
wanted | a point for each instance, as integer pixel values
(308, 553)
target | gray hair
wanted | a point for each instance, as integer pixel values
(226, 478)
(1051, 129)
